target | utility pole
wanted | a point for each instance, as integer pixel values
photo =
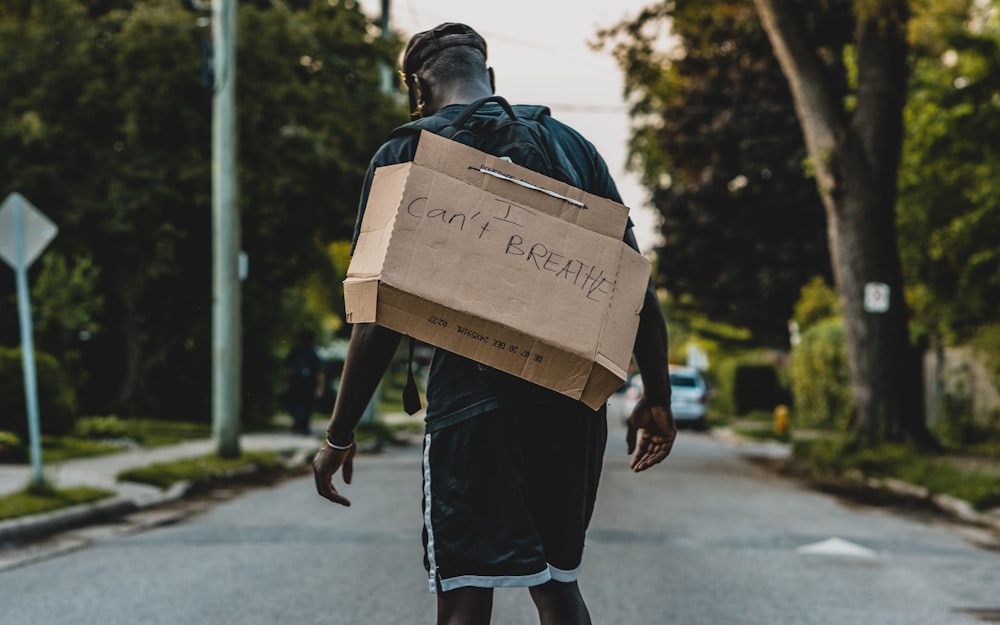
(386, 71)
(226, 327)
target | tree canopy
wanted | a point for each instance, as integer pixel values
(845, 88)
(105, 127)
(717, 142)
(949, 204)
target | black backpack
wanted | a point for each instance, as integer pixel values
(519, 136)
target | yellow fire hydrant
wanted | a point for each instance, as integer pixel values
(782, 423)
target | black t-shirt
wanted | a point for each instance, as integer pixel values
(459, 388)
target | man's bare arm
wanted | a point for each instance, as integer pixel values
(368, 356)
(651, 429)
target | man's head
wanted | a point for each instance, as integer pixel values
(441, 60)
(425, 45)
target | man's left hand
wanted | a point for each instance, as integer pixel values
(650, 435)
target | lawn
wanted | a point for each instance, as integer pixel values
(36, 500)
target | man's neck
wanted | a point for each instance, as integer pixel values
(461, 96)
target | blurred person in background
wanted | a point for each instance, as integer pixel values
(303, 381)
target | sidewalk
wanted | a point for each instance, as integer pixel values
(102, 471)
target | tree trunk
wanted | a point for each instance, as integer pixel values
(132, 382)
(144, 349)
(856, 155)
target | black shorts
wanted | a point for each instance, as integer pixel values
(508, 495)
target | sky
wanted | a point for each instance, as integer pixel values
(539, 52)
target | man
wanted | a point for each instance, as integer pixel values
(510, 469)
(303, 381)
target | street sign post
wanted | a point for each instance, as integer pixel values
(24, 233)
(877, 304)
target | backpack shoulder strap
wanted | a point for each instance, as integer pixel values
(437, 125)
(459, 122)
(411, 396)
(531, 112)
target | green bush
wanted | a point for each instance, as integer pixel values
(817, 303)
(722, 386)
(56, 398)
(886, 460)
(12, 449)
(958, 428)
(817, 372)
(987, 346)
(146, 432)
(100, 427)
(822, 456)
(835, 456)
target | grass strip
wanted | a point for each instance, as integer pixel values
(38, 500)
(146, 432)
(62, 448)
(203, 471)
(839, 458)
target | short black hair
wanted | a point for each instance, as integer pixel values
(430, 43)
(458, 63)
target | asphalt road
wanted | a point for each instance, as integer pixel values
(706, 538)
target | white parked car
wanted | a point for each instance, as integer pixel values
(688, 397)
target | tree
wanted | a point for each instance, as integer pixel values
(311, 114)
(717, 142)
(105, 125)
(845, 65)
(949, 189)
(854, 146)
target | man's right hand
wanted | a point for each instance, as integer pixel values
(326, 463)
(368, 356)
(650, 435)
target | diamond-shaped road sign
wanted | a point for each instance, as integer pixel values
(36, 230)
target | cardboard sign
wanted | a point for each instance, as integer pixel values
(495, 262)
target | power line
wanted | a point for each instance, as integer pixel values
(597, 109)
(564, 52)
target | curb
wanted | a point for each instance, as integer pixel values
(956, 508)
(953, 506)
(43, 525)
(37, 526)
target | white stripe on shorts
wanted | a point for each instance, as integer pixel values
(432, 572)
(498, 581)
(561, 575)
(506, 581)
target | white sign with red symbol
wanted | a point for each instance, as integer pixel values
(876, 297)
